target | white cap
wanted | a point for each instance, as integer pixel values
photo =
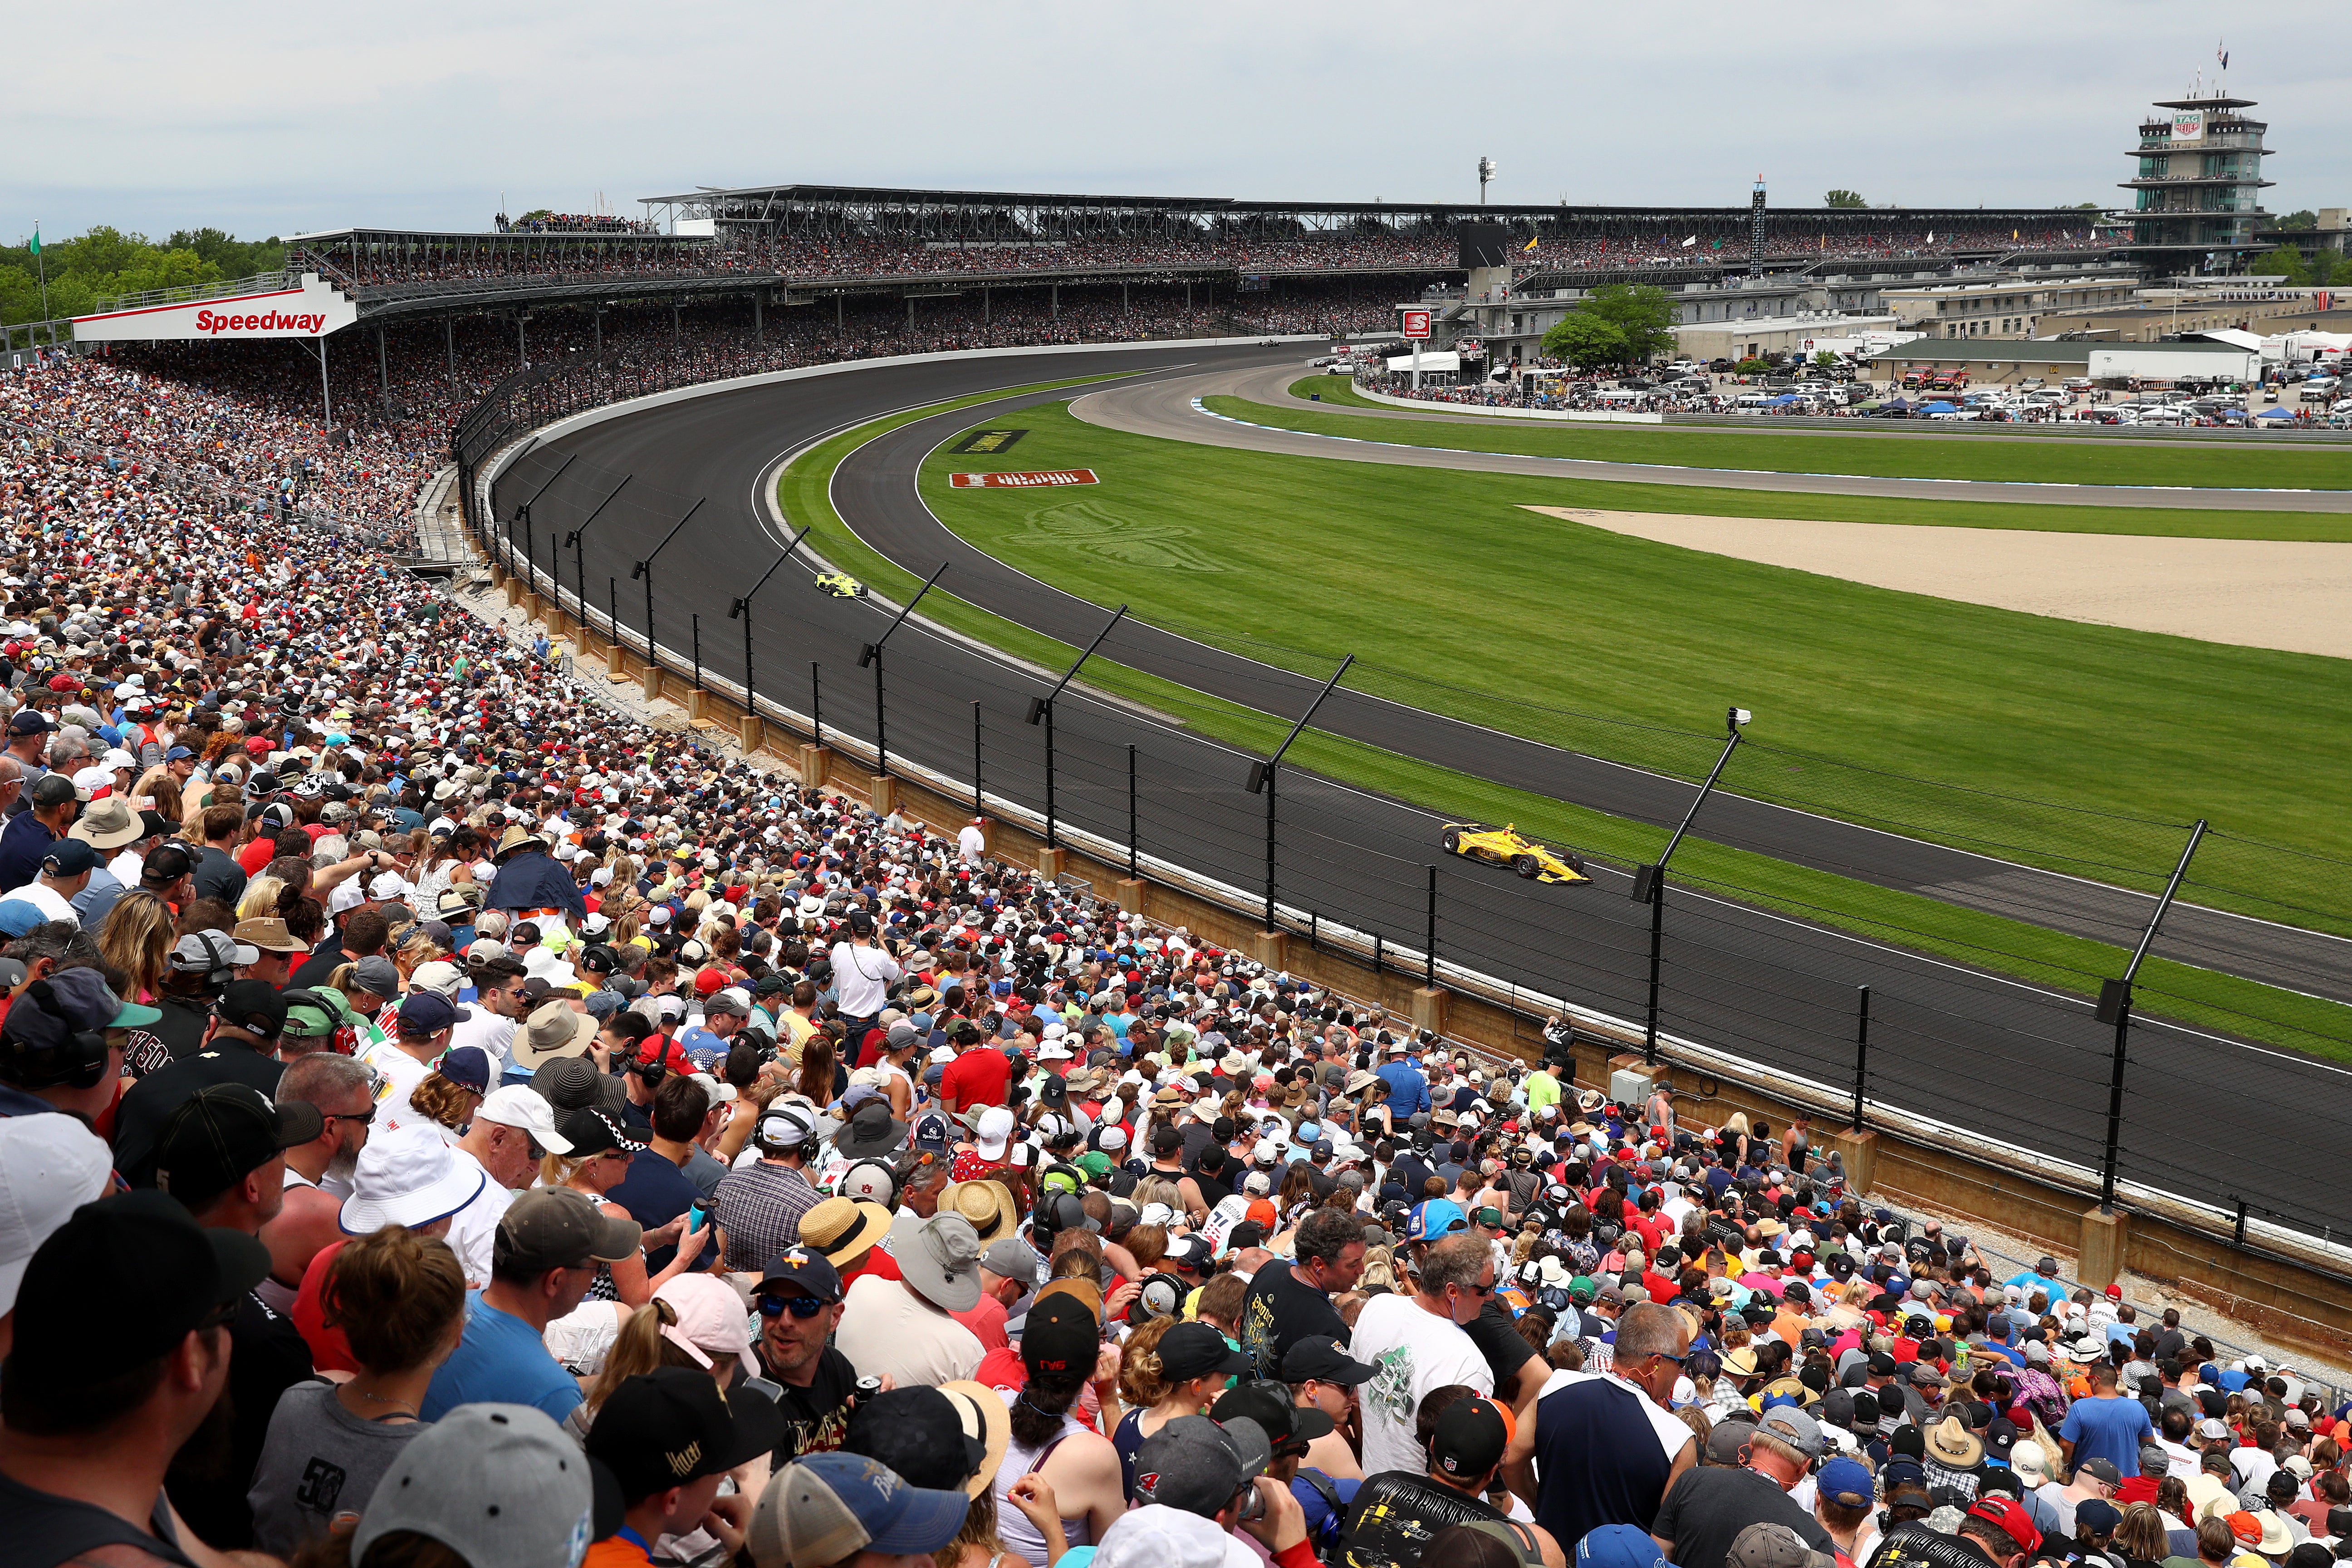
(439, 976)
(49, 1166)
(387, 886)
(407, 1176)
(992, 1132)
(520, 1105)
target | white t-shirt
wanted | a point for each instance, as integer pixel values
(861, 979)
(486, 1029)
(1414, 1350)
(52, 904)
(126, 869)
(402, 1073)
(475, 1227)
(971, 844)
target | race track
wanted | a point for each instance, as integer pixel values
(1997, 1056)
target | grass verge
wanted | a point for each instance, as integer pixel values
(1906, 920)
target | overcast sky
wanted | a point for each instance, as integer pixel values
(271, 119)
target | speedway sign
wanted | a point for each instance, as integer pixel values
(1022, 481)
(311, 310)
(1413, 323)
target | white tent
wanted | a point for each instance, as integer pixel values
(1434, 361)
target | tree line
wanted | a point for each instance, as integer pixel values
(107, 263)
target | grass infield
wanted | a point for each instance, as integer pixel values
(1580, 612)
(2192, 465)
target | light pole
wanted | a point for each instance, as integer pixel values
(523, 513)
(644, 569)
(871, 654)
(742, 610)
(1650, 881)
(1261, 778)
(1042, 707)
(2114, 1007)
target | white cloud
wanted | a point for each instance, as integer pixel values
(264, 119)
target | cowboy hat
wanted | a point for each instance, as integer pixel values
(938, 1259)
(987, 1205)
(844, 1230)
(1949, 1442)
(513, 838)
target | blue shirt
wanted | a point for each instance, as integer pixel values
(2029, 1281)
(701, 1046)
(654, 1192)
(500, 1360)
(23, 845)
(2110, 1429)
(1408, 1091)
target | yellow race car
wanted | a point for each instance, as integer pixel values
(1505, 846)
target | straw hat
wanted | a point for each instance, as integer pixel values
(987, 1205)
(843, 1229)
(1949, 1442)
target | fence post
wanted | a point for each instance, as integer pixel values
(697, 652)
(1134, 848)
(816, 702)
(1658, 945)
(1861, 1048)
(1428, 953)
(1376, 953)
(977, 808)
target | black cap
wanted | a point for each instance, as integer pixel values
(919, 1435)
(1283, 1420)
(254, 1005)
(134, 1273)
(1470, 1438)
(1318, 1358)
(671, 1426)
(1062, 1335)
(221, 1133)
(1187, 1350)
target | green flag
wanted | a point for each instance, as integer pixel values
(36, 239)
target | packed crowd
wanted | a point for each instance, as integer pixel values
(475, 1128)
(571, 223)
(857, 256)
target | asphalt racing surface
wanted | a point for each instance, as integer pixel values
(1998, 1057)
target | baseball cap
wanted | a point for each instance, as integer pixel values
(1793, 1427)
(493, 1483)
(221, 1133)
(210, 951)
(1318, 1357)
(253, 1004)
(1846, 1482)
(70, 857)
(49, 1166)
(1770, 1545)
(1470, 1438)
(823, 1509)
(2010, 1514)
(424, 1012)
(1009, 1258)
(1619, 1546)
(926, 1435)
(672, 1426)
(135, 1274)
(1062, 1335)
(1187, 1350)
(1197, 1465)
(809, 1272)
(52, 1011)
(556, 1227)
(520, 1105)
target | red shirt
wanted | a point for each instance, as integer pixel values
(986, 1320)
(329, 1351)
(981, 1076)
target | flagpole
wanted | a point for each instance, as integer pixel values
(42, 263)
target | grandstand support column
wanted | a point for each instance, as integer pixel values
(522, 349)
(984, 316)
(1057, 301)
(383, 370)
(598, 316)
(325, 396)
(759, 319)
(450, 338)
(2107, 1238)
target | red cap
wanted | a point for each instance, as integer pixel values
(670, 1055)
(707, 980)
(2115, 1292)
(2011, 1515)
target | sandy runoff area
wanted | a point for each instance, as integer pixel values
(2256, 593)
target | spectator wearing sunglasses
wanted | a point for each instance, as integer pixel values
(1417, 1343)
(512, 1129)
(799, 1303)
(318, 1172)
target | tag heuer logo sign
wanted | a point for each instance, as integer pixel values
(2189, 125)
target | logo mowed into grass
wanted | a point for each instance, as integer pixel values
(987, 441)
(1094, 529)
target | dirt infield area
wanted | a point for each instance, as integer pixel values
(2253, 592)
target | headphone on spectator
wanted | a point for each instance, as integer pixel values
(78, 1063)
(775, 1132)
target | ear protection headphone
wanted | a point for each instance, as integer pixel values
(774, 1128)
(78, 1063)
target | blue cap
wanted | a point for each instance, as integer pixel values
(426, 1012)
(1847, 1483)
(469, 1067)
(70, 858)
(821, 1503)
(178, 754)
(1619, 1546)
(19, 916)
(1435, 1219)
(1307, 1132)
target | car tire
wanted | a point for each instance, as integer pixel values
(1574, 863)
(1451, 841)
(1525, 864)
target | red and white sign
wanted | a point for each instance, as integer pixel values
(1415, 323)
(1023, 481)
(311, 310)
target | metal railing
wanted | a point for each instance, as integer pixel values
(188, 293)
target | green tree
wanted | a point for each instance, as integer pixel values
(1825, 358)
(2306, 218)
(106, 263)
(1586, 340)
(2285, 264)
(1844, 199)
(1644, 313)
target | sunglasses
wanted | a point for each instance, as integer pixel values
(800, 1307)
(363, 1116)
